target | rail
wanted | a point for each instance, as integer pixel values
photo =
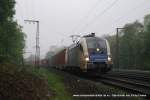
(136, 81)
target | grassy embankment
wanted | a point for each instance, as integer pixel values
(54, 83)
(20, 83)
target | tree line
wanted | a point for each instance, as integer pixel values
(134, 45)
(11, 36)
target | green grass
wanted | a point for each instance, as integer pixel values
(54, 83)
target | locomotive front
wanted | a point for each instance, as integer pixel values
(97, 55)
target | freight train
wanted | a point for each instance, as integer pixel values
(89, 54)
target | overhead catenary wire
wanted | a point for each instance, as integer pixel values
(87, 15)
(130, 12)
(140, 18)
(145, 7)
(99, 15)
(27, 9)
(133, 10)
(33, 8)
(20, 11)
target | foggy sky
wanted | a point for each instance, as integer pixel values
(61, 18)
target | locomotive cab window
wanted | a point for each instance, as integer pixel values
(96, 43)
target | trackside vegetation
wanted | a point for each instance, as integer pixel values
(19, 84)
(12, 39)
(55, 84)
(28, 83)
(134, 45)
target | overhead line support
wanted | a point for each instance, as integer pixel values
(37, 52)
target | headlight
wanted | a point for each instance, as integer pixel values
(87, 59)
(109, 58)
(97, 49)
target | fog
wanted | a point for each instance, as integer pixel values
(61, 18)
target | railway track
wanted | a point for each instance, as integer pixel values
(135, 81)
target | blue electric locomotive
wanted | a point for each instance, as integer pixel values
(90, 53)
